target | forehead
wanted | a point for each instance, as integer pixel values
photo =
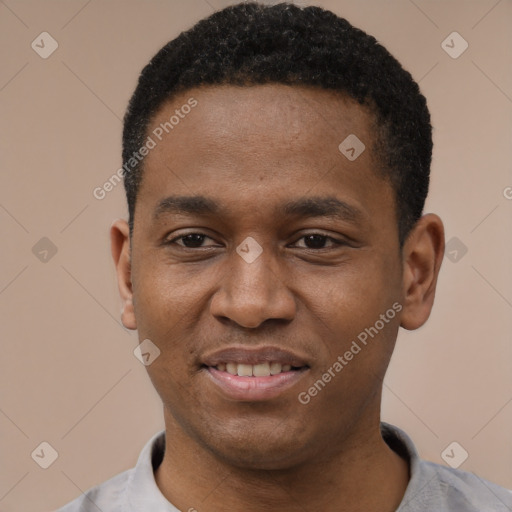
(289, 117)
(264, 142)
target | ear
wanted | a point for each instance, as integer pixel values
(422, 255)
(120, 247)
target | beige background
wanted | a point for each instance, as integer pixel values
(68, 375)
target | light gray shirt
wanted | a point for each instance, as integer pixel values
(431, 488)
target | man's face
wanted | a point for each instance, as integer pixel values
(265, 162)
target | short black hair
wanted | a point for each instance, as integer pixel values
(251, 44)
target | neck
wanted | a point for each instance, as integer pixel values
(363, 474)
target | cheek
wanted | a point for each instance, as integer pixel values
(351, 375)
(167, 313)
(354, 297)
(165, 300)
(359, 315)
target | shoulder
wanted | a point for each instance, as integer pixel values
(132, 490)
(107, 496)
(434, 488)
(437, 487)
(465, 491)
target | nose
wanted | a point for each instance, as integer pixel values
(253, 293)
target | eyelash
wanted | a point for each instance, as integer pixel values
(334, 241)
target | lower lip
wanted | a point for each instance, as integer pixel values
(254, 389)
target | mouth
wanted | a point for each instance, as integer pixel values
(261, 374)
(264, 369)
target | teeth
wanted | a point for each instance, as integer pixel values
(245, 370)
(275, 368)
(232, 368)
(261, 370)
(256, 370)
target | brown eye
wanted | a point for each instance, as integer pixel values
(193, 240)
(315, 241)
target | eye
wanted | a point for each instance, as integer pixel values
(192, 240)
(318, 241)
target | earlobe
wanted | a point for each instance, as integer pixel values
(422, 256)
(120, 248)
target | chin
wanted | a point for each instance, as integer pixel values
(256, 448)
(261, 460)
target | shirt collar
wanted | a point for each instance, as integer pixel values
(142, 493)
(423, 490)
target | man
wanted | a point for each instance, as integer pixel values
(276, 166)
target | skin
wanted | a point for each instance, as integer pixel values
(253, 149)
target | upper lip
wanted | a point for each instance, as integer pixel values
(255, 355)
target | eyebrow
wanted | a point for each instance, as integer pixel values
(321, 206)
(191, 205)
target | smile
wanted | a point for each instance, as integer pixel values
(264, 369)
(254, 383)
(254, 374)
